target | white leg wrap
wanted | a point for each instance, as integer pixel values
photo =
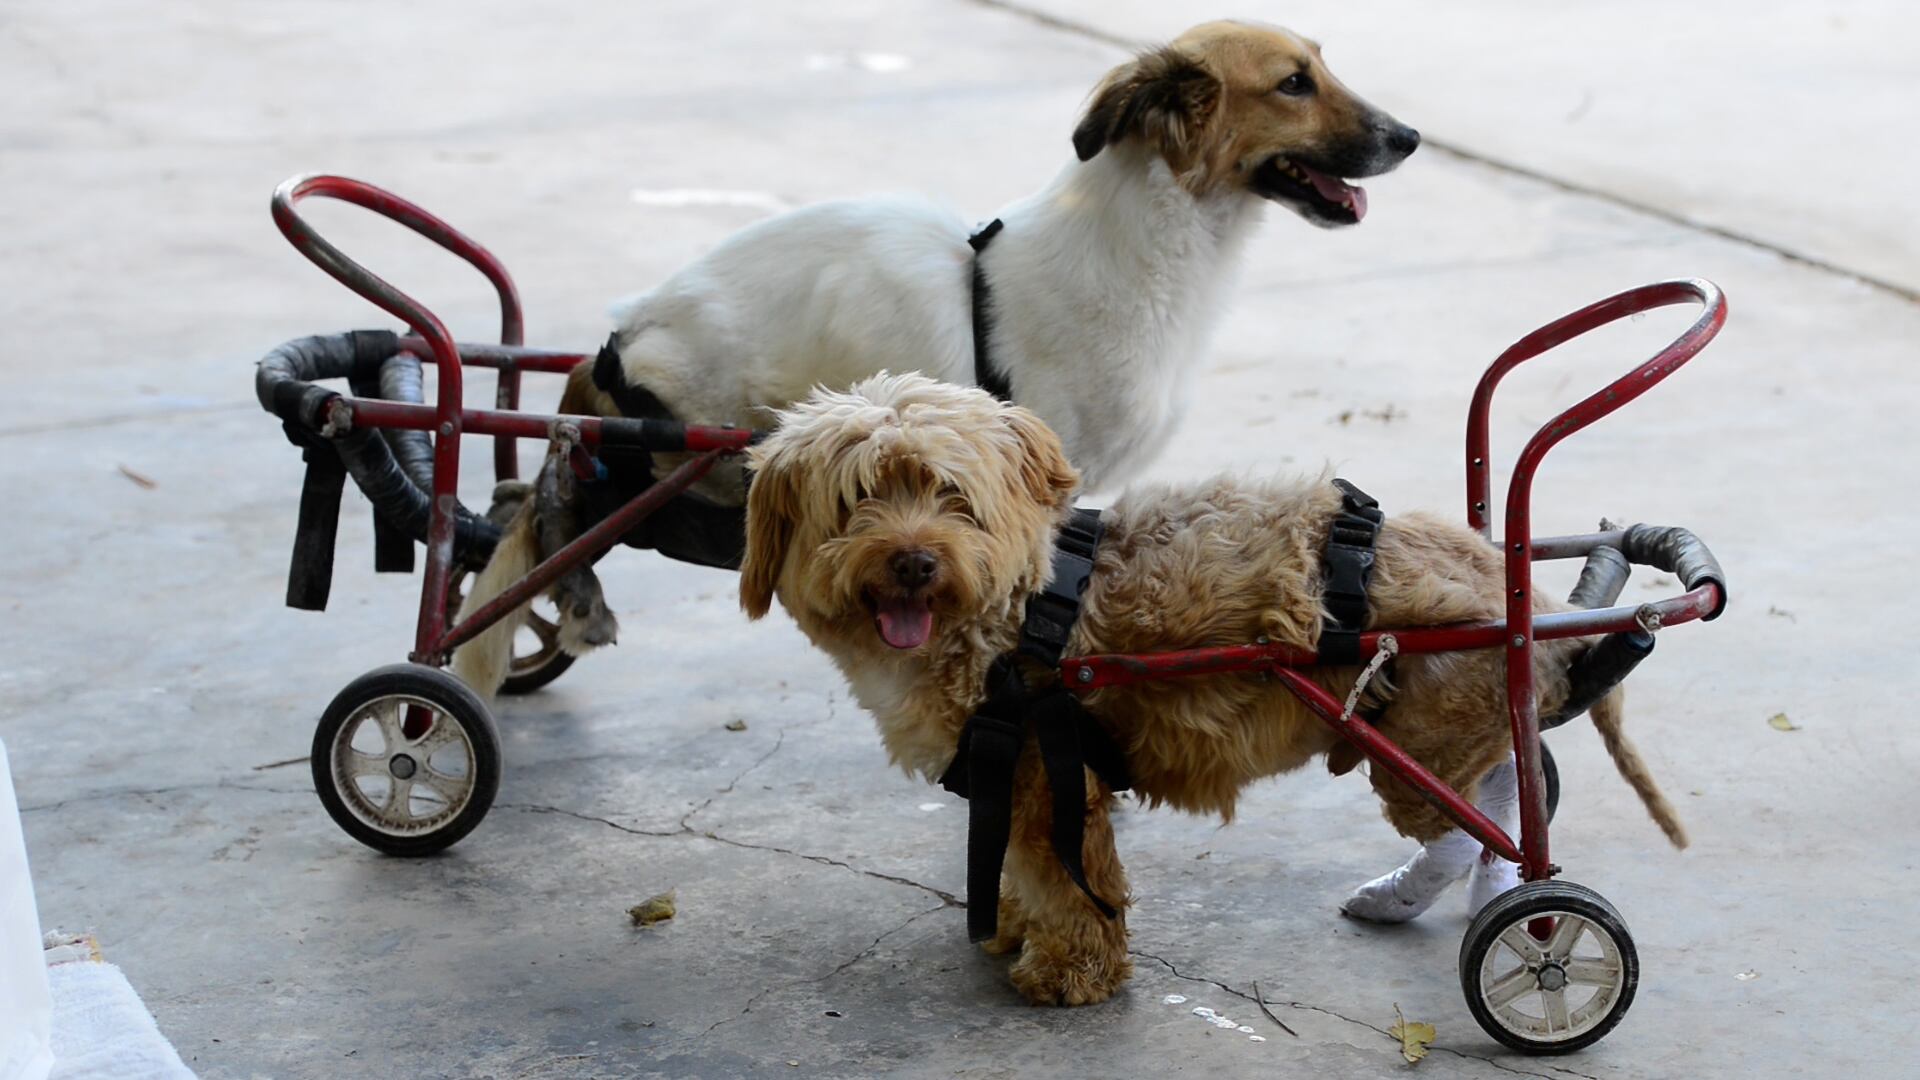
(1412, 889)
(1499, 799)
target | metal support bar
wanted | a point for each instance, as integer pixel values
(1383, 752)
(584, 548)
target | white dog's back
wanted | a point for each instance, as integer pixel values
(824, 295)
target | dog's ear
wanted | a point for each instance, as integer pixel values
(770, 524)
(1163, 96)
(1043, 464)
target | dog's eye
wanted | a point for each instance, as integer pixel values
(1295, 85)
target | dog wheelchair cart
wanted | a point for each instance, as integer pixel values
(406, 758)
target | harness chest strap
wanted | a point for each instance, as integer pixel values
(1068, 738)
(985, 374)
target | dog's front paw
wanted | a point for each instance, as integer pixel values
(1051, 973)
(1012, 931)
(586, 627)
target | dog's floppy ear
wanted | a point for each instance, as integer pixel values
(1044, 468)
(1163, 96)
(770, 524)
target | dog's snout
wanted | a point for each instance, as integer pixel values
(913, 569)
(1402, 139)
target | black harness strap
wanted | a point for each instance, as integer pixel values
(634, 402)
(984, 373)
(1349, 560)
(1068, 738)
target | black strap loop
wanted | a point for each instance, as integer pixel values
(989, 379)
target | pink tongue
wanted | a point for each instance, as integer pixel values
(1335, 190)
(904, 624)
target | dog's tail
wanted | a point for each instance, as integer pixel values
(483, 662)
(1607, 714)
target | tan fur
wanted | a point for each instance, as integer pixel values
(1206, 102)
(901, 462)
(484, 661)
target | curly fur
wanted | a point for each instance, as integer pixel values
(902, 463)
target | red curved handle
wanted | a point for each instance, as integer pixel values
(1618, 393)
(446, 355)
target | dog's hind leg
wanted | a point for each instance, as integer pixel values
(1412, 888)
(585, 621)
(1499, 799)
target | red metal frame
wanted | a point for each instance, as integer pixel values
(448, 419)
(1520, 629)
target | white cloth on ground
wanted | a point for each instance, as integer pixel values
(102, 1031)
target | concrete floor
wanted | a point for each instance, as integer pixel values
(152, 680)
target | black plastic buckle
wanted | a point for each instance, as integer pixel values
(1052, 611)
(1349, 566)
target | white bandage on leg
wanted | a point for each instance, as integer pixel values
(1412, 889)
(1499, 799)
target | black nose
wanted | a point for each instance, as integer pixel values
(1403, 140)
(912, 569)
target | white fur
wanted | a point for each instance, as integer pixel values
(1106, 286)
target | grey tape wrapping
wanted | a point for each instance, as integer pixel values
(1601, 579)
(284, 382)
(1679, 553)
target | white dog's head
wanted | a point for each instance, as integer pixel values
(900, 511)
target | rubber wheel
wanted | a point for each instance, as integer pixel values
(406, 759)
(534, 669)
(536, 662)
(1551, 773)
(1556, 995)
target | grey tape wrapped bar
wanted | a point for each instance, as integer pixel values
(1601, 579)
(284, 383)
(1679, 553)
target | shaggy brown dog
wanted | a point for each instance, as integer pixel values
(903, 525)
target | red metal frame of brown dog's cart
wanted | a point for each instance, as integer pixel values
(1543, 907)
(1521, 628)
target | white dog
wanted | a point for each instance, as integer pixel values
(1090, 302)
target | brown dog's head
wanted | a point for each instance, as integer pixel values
(1235, 106)
(901, 509)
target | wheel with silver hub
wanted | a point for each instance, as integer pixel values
(406, 759)
(538, 658)
(1548, 967)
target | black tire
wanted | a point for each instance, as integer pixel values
(532, 671)
(526, 672)
(386, 698)
(1551, 773)
(1491, 968)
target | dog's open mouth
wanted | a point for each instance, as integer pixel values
(903, 622)
(1319, 195)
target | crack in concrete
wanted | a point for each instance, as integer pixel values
(947, 899)
(687, 818)
(541, 808)
(138, 793)
(1488, 161)
(817, 979)
(82, 423)
(1383, 1032)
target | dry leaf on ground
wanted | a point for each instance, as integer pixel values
(1414, 1038)
(1779, 722)
(653, 909)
